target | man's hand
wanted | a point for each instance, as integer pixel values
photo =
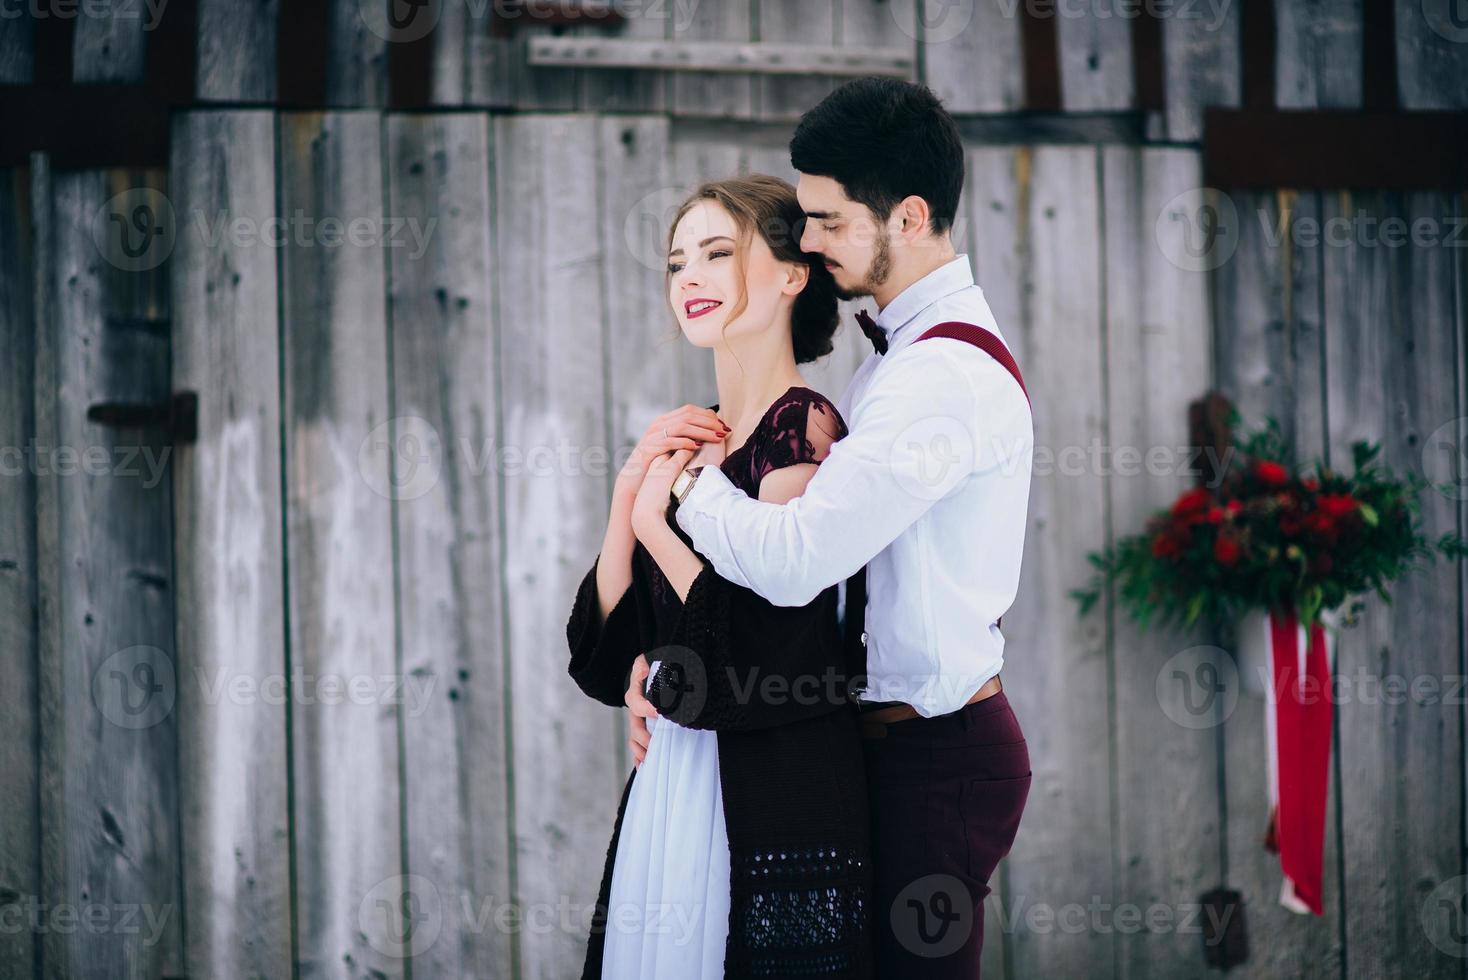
(640, 709)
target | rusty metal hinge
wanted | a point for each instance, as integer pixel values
(1225, 931)
(178, 417)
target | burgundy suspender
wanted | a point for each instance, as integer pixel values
(972, 333)
(984, 340)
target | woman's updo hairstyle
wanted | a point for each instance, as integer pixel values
(767, 205)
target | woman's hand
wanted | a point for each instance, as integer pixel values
(688, 428)
(650, 508)
(710, 454)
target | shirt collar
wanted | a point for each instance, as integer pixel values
(943, 281)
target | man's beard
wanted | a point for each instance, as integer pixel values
(880, 271)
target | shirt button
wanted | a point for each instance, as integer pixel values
(863, 637)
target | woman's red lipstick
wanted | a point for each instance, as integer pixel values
(688, 307)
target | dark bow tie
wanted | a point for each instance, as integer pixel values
(874, 333)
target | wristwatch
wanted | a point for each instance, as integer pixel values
(683, 482)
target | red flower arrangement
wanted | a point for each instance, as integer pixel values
(1268, 538)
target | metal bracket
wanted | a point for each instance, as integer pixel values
(179, 416)
(1225, 931)
(1208, 429)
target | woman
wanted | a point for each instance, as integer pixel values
(740, 847)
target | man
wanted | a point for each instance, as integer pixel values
(928, 491)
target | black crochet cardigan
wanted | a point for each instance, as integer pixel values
(773, 682)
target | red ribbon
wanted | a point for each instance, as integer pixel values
(1302, 706)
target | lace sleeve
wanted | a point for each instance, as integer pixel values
(801, 431)
(602, 652)
(823, 426)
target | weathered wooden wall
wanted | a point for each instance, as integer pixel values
(970, 52)
(300, 703)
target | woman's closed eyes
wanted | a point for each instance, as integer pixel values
(674, 268)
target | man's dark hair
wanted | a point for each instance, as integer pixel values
(882, 139)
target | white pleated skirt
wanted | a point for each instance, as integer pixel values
(668, 910)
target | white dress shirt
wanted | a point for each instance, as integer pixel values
(929, 489)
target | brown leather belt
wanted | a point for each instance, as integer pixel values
(874, 722)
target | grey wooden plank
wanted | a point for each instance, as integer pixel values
(1040, 251)
(1455, 470)
(645, 344)
(1432, 55)
(109, 799)
(109, 42)
(1095, 59)
(356, 58)
(713, 94)
(877, 24)
(986, 229)
(452, 39)
(757, 158)
(1200, 66)
(1318, 54)
(631, 90)
(1269, 319)
(1391, 356)
(450, 547)
(1269, 340)
(22, 236)
(989, 224)
(1268, 308)
(348, 692)
(17, 50)
(1448, 468)
(236, 51)
(644, 341)
(1167, 780)
(50, 682)
(489, 61)
(761, 59)
(815, 22)
(499, 67)
(710, 150)
(232, 747)
(551, 363)
(540, 88)
(1268, 303)
(971, 53)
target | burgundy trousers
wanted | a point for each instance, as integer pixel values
(946, 797)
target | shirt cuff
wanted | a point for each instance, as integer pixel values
(710, 484)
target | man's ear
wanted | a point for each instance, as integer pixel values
(913, 215)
